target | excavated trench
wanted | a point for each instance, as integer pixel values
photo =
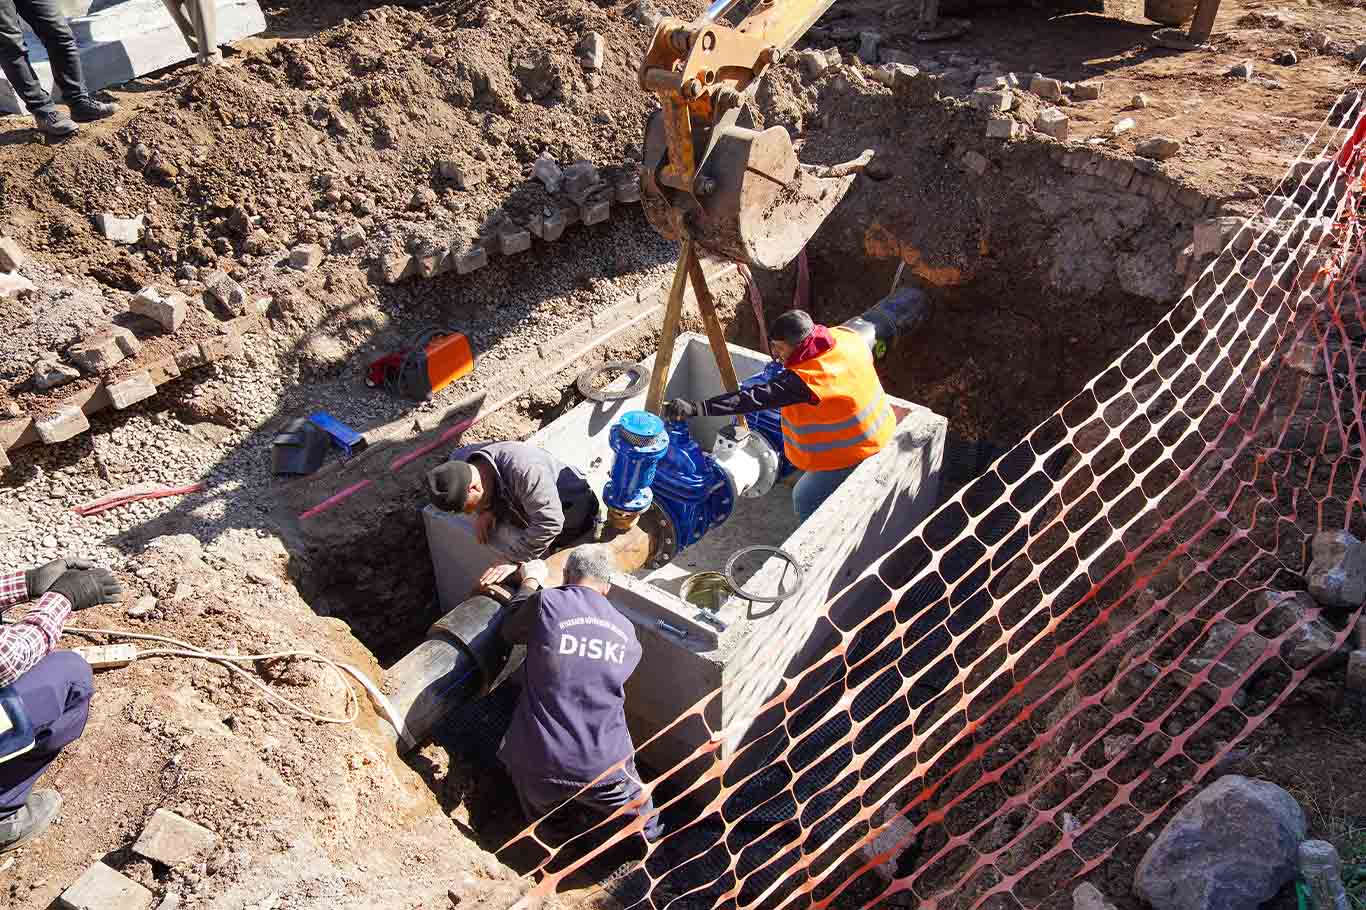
(1039, 277)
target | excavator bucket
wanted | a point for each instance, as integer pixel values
(752, 201)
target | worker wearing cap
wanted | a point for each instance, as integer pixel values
(526, 503)
(569, 726)
(54, 688)
(834, 412)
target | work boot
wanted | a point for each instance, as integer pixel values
(55, 124)
(29, 823)
(87, 109)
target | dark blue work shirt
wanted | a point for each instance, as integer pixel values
(570, 722)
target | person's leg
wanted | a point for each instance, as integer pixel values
(815, 487)
(46, 19)
(579, 515)
(15, 63)
(609, 795)
(56, 695)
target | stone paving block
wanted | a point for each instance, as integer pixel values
(596, 212)
(306, 257)
(121, 230)
(628, 189)
(432, 264)
(61, 425)
(993, 102)
(164, 370)
(351, 237)
(220, 287)
(470, 259)
(189, 358)
(11, 254)
(96, 355)
(128, 392)
(102, 888)
(552, 227)
(168, 311)
(975, 162)
(221, 346)
(1052, 122)
(172, 840)
(128, 342)
(1004, 128)
(512, 242)
(1045, 88)
(1088, 91)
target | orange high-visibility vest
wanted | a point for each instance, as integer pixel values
(851, 419)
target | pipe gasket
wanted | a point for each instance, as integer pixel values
(640, 378)
(783, 594)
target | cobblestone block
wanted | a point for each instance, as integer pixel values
(128, 392)
(61, 425)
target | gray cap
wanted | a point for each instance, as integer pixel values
(792, 327)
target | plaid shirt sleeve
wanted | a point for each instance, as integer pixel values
(24, 643)
(13, 588)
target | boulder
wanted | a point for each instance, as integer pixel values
(11, 254)
(1337, 573)
(1232, 847)
(49, 373)
(167, 311)
(1159, 148)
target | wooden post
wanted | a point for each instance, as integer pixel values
(715, 333)
(1203, 24)
(673, 316)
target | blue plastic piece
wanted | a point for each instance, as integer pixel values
(690, 488)
(16, 731)
(347, 439)
(639, 441)
(769, 423)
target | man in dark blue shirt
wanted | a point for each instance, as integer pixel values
(569, 726)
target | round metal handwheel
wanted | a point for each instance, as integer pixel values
(783, 593)
(640, 378)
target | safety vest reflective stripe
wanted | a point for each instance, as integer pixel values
(839, 426)
(865, 436)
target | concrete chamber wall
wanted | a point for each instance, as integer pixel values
(687, 660)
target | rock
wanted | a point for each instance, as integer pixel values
(868, 47)
(813, 63)
(1159, 148)
(898, 831)
(1052, 122)
(139, 155)
(1176, 39)
(229, 294)
(1087, 896)
(579, 180)
(167, 312)
(1309, 639)
(1286, 57)
(1321, 869)
(101, 888)
(1358, 55)
(546, 170)
(647, 14)
(129, 391)
(351, 238)
(12, 284)
(993, 102)
(1213, 234)
(121, 230)
(171, 840)
(98, 354)
(1232, 847)
(63, 424)
(975, 162)
(144, 606)
(1045, 88)
(11, 254)
(1088, 91)
(163, 168)
(424, 197)
(1337, 573)
(306, 257)
(1139, 102)
(1234, 660)
(915, 88)
(1004, 128)
(590, 51)
(534, 69)
(1242, 71)
(49, 374)
(1356, 671)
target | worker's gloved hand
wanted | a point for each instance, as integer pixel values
(447, 484)
(88, 587)
(40, 579)
(534, 570)
(496, 573)
(681, 409)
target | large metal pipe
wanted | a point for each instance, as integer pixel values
(464, 656)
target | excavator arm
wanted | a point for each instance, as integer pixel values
(737, 192)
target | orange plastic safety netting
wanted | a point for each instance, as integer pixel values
(1019, 691)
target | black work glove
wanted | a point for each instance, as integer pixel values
(88, 587)
(39, 580)
(681, 409)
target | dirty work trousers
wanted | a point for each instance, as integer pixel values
(579, 515)
(56, 696)
(51, 27)
(541, 796)
(815, 487)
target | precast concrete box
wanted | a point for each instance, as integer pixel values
(692, 670)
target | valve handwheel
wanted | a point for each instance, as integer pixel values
(790, 563)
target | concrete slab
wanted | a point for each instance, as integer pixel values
(102, 888)
(132, 38)
(686, 660)
(169, 839)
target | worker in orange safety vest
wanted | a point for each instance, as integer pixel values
(834, 411)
